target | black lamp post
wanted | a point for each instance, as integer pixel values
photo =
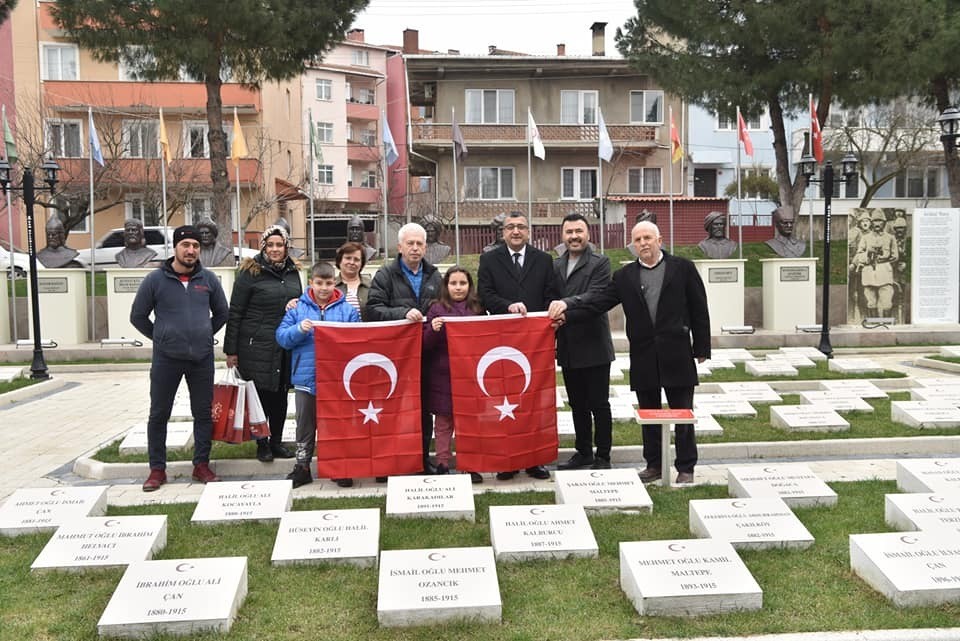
(38, 368)
(808, 167)
(949, 127)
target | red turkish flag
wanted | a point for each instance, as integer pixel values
(744, 135)
(504, 383)
(368, 398)
(816, 137)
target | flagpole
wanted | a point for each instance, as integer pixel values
(600, 190)
(670, 187)
(235, 244)
(12, 274)
(383, 187)
(739, 194)
(456, 187)
(163, 187)
(93, 252)
(312, 159)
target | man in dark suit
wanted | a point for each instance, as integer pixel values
(584, 346)
(665, 303)
(516, 278)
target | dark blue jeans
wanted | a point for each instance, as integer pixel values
(165, 376)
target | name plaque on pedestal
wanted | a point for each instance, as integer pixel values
(723, 280)
(63, 305)
(789, 293)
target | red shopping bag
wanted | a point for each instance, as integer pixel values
(223, 410)
(255, 425)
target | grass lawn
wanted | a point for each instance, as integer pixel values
(17, 383)
(804, 590)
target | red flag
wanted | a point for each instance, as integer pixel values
(676, 149)
(816, 138)
(368, 398)
(504, 391)
(744, 135)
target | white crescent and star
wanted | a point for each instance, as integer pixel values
(369, 359)
(504, 353)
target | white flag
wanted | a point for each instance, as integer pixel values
(390, 152)
(604, 145)
(533, 135)
(95, 150)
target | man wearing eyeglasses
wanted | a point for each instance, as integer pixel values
(516, 278)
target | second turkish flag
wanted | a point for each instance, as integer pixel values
(504, 383)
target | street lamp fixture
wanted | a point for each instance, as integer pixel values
(49, 168)
(949, 122)
(808, 167)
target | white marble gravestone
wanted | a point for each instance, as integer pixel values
(940, 395)
(807, 418)
(771, 368)
(599, 491)
(795, 483)
(812, 353)
(835, 401)
(732, 354)
(723, 405)
(243, 501)
(926, 511)
(751, 391)
(950, 351)
(719, 363)
(623, 391)
(180, 597)
(925, 414)
(703, 370)
(938, 381)
(349, 537)
(103, 542)
(911, 569)
(561, 401)
(861, 388)
(524, 532)
(565, 424)
(424, 587)
(749, 524)
(798, 361)
(941, 476)
(707, 425)
(45, 509)
(622, 409)
(854, 366)
(686, 577)
(289, 431)
(179, 437)
(444, 496)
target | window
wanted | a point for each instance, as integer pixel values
(324, 89)
(489, 183)
(349, 175)
(644, 180)
(195, 138)
(350, 132)
(366, 96)
(489, 106)
(918, 183)
(578, 107)
(840, 118)
(325, 174)
(140, 138)
(147, 213)
(129, 69)
(851, 189)
(750, 173)
(646, 106)
(361, 57)
(578, 183)
(728, 122)
(59, 62)
(369, 179)
(63, 138)
(368, 137)
(198, 208)
(325, 132)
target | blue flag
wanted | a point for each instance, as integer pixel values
(390, 151)
(95, 150)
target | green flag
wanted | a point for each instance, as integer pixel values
(9, 144)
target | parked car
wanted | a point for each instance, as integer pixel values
(21, 263)
(111, 243)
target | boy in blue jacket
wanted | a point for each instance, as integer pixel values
(321, 302)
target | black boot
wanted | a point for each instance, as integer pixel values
(300, 475)
(264, 453)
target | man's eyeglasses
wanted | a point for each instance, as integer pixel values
(513, 227)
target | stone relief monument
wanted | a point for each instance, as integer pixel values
(716, 244)
(878, 252)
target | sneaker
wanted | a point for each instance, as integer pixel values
(203, 474)
(264, 453)
(600, 463)
(343, 482)
(442, 469)
(279, 451)
(475, 478)
(506, 476)
(300, 475)
(650, 474)
(155, 480)
(577, 461)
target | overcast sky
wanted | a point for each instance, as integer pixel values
(471, 26)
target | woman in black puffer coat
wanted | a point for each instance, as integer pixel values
(265, 287)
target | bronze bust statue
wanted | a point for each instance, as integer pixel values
(355, 235)
(497, 225)
(212, 253)
(784, 243)
(56, 254)
(436, 250)
(135, 253)
(716, 244)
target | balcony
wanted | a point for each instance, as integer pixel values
(358, 153)
(144, 97)
(361, 111)
(485, 210)
(132, 172)
(440, 135)
(366, 195)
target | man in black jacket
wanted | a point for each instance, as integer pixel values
(189, 307)
(404, 289)
(665, 305)
(584, 346)
(516, 278)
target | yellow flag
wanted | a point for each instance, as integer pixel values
(164, 141)
(239, 149)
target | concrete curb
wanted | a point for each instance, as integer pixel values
(924, 634)
(38, 389)
(932, 363)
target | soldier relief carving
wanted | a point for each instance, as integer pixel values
(878, 264)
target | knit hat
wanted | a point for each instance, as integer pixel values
(185, 232)
(274, 230)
